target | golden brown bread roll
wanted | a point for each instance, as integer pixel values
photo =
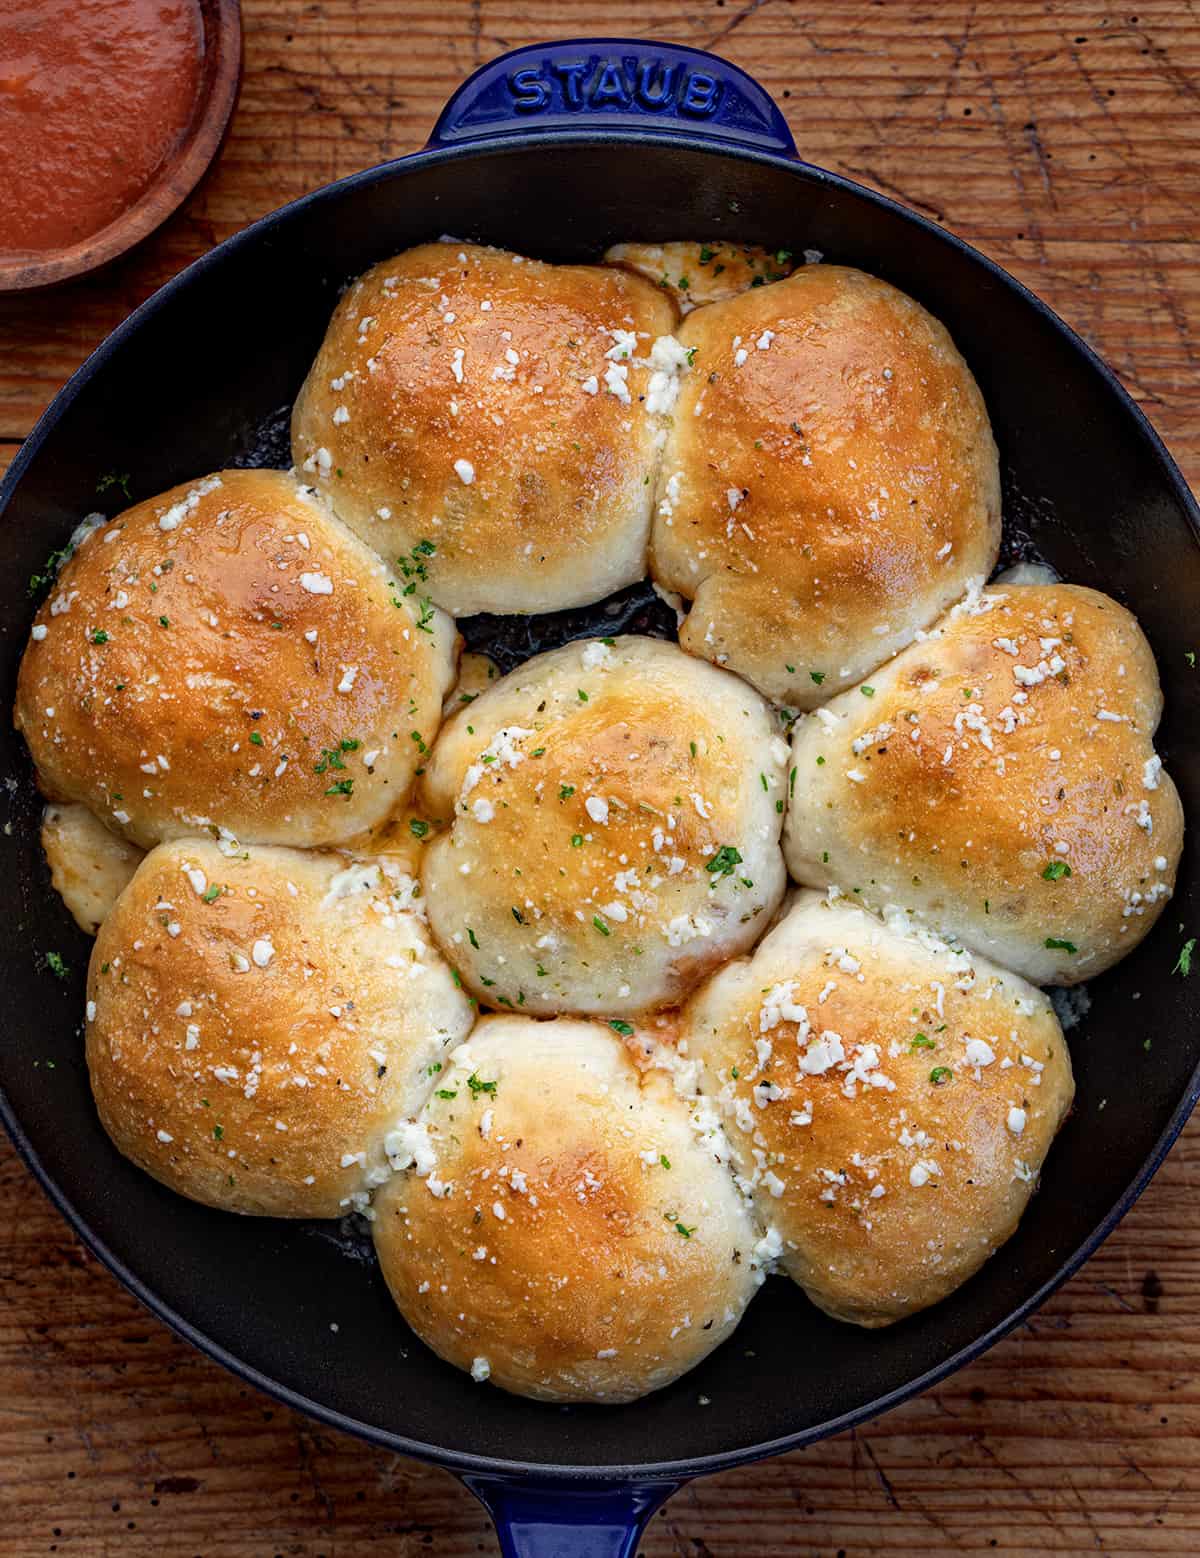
(593, 1250)
(1000, 779)
(613, 813)
(258, 1024)
(228, 656)
(497, 407)
(89, 865)
(889, 1102)
(476, 673)
(829, 485)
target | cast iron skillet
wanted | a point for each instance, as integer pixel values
(558, 151)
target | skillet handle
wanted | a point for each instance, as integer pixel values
(543, 1520)
(619, 84)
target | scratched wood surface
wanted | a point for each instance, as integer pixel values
(1065, 141)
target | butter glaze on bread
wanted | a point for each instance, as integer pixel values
(566, 1228)
(228, 655)
(1000, 780)
(495, 406)
(889, 1102)
(259, 1021)
(612, 822)
(830, 482)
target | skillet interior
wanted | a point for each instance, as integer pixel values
(188, 385)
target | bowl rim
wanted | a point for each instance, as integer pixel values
(562, 1475)
(221, 76)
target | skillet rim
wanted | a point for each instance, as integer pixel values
(564, 1474)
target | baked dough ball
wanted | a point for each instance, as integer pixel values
(89, 865)
(498, 407)
(889, 1103)
(829, 485)
(229, 655)
(593, 1250)
(1000, 778)
(693, 274)
(614, 814)
(476, 673)
(259, 1020)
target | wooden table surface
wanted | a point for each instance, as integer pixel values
(1062, 139)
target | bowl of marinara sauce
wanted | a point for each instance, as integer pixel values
(110, 113)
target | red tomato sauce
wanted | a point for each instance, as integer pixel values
(95, 95)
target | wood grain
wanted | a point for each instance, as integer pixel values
(1065, 141)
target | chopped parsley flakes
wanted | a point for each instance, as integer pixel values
(722, 863)
(50, 569)
(113, 480)
(414, 566)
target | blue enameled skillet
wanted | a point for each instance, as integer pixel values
(558, 151)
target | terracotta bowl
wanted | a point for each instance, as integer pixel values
(220, 78)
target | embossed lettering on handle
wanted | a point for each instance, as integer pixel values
(639, 85)
(613, 83)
